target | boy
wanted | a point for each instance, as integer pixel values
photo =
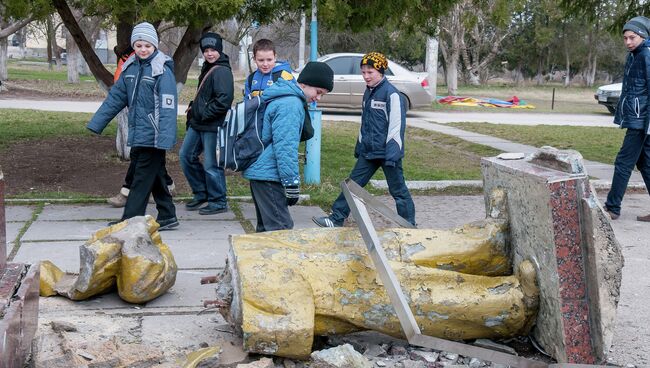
(268, 69)
(147, 86)
(206, 113)
(632, 113)
(380, 142)
(275, 177)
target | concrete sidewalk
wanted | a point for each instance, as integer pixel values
(176, 323)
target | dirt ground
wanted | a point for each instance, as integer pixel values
(75, 164)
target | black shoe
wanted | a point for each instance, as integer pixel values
(194, 204)
(111, 223)
(213, 209)
(167, 224)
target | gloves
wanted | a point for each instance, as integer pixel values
(292, 193)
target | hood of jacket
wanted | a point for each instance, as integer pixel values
(158, 61)
(282, 66)
(283, 88)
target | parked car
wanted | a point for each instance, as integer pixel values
(608, 95)
(349, 85)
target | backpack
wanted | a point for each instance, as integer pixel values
(239, 139)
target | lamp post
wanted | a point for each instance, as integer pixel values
(312, 147)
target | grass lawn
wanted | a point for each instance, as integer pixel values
(594, 143)
(429, 155)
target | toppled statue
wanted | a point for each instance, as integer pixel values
(281, 288)
(129, 255)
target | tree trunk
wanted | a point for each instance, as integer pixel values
(123, 151)
(102, 75)
(4, 44)
(567, 75)
(452, 72)
(432, 65)
(186, 52)
(73, 59)
(50, 39)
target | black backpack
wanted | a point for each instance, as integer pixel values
(240, 137)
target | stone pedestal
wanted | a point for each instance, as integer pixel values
(557, 223)
(18, 301)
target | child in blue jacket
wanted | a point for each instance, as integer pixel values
(269, 69)
(380, 143)
(147, 86)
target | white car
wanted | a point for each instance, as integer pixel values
(608, 95)
(349, 85)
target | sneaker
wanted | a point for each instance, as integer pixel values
(213, 209)
(167, 224)
(612, 215)
(325, 221)
(172, 189)
(194, 204)
(119, 200)
(645, 218)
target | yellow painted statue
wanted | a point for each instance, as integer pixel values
(281, 288)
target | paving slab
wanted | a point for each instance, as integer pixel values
(18, 213)
(102, 303)
(301, 215)
(187, 291)
(183, 332)
(62, 230)
(54, 212)
(199, 253)
(13, 228)
(203, 229)
(65, 255)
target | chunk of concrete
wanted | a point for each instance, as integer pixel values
(343, 356)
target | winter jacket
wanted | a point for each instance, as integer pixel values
(213, 101)
(148, 88)
(283, 120)
(632, 109)
(383, 121)
(257, 82)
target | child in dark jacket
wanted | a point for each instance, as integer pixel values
(633, 113)
(206, 113)
(146, 86)
(380, 143)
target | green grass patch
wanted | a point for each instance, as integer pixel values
(16, 125)
(40, 74)
(599, 144)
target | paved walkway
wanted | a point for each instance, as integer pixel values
(176, 323)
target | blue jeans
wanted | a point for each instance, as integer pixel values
(634, 151)
(362, 173)
(208, 181)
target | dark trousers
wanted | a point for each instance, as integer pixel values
(149, 178)
(634, 151)
(271, 206)
(362, 173)
(128, 179)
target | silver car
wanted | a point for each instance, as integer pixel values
(349, 85)
(609, 95)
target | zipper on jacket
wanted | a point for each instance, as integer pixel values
(637, 107)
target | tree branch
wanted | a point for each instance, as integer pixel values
(12, 28)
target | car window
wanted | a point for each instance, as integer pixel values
(340, 65)
(356, 67)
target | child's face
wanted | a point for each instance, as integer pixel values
(143, 49)
(371, 75)
(265, 60)
(312, 94)
(210, 55)
(631, 40)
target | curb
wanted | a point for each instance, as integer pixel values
(599, 185)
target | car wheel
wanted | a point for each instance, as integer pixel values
(407, 103)
(612, 109)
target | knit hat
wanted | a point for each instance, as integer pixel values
(144, 32)
(376, 60)
(639, 25)
(211, 40)
(317, 74)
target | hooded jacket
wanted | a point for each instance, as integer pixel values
(383, 121)
(214, 99)
(148, 88)
(281, 129)
(257, 82)
(632, 109)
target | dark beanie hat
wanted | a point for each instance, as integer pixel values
(211, 40)
(317, 74)
(638, 25)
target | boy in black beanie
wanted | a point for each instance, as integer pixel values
(380, 143)
(205, 114)
(274, 176)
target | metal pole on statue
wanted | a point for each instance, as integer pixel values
(312, 147)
